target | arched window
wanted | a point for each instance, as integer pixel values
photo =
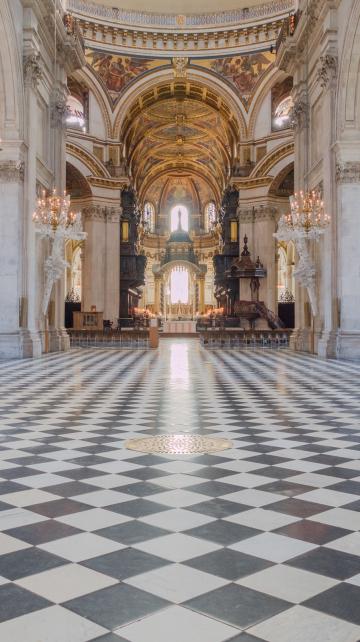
(174, 218)
(149, 217)
(75, 114)
(282, 114)
(210, 216)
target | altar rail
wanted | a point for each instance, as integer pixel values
(245, 338)
(109, 338)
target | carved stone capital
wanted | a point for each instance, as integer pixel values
(58, 108)
(348, 172)
(327, 70)
(11, 171)
(299, 117)
(94, 213)
(32, 69)
(260, 213)
(113, 214)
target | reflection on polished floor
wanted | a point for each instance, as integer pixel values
(256, 543)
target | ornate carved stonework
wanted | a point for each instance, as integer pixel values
(32, 69)
(327, 70)
(260, 213)
(58, 108)
(300, 114)
(113, 214)
(180, 65)
(11, 171)
(102, 213)
(150, 19)
(348, 172)
(94, 213)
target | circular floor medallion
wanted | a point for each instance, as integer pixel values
(178, 444)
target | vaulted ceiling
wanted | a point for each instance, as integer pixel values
(179, 133)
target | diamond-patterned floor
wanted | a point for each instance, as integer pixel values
(257, 543)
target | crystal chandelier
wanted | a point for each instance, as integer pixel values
(307, 218)
(52, 215)
(53, 220)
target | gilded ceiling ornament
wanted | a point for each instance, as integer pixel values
(181, 20)
(180, 64)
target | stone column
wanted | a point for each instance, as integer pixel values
(158, 280)
(326, 345)
(112, 265)
(11, 199)
(265, 247)
(348, 178)
(201, 281)
(32, 321)
(59, 339)
(258, 224)
(94, 252)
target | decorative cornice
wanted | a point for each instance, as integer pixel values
(11, 171)
(327, 70)
(260, 213)
(348, 172)
(113, 183)
(249, 183)
(32, 69)
(150, 20)
(102, 213)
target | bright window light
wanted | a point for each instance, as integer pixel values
(179, 286)
(174, 218)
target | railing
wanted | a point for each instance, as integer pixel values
(109, 338)
(245, 338)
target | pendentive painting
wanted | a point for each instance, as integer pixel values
(116, 72)
(243, 72)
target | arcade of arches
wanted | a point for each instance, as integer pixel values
(140, 126)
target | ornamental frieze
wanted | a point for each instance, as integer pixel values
(149, 19)
(11, 171)
(348, 172)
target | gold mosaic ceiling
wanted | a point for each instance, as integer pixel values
(178, 134)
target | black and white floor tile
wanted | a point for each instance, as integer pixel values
(257, 543)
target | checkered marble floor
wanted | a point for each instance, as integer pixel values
(257, 543)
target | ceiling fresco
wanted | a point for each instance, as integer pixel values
(180, 127)
(243, 72)
(117, 72)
